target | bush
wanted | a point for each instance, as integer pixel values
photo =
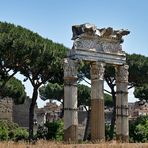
(41, 132)
(11, 131)
(51, 131)
(21, 134)
(138, 130)
(3, 133)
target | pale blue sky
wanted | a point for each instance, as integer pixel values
(53, 18)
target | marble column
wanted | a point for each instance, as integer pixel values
(122, 123)
(97, 102)
(70, 100)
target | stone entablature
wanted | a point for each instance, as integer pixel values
(89, 37)
(92, 44)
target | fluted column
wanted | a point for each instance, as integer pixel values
(97, 102)
(70, 100)
(122, 123)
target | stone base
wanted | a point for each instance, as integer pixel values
(70, 134)
(97, 120)
(122, 138)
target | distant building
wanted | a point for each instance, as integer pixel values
(50, 112)
(137, 109)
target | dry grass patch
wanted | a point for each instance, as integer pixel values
(49, 144)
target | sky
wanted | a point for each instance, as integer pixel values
(53, 19)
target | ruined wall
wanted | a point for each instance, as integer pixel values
(20, 113)
(6, 109)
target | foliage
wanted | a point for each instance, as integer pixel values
(52, 91)
(11, 131)
(51, 131)
(14, 89)
(84, 95)
(141, 92)
(38, 59)
(108, 100)
(138, 75)
(41, 132)
(138, 130)
(56, 92)
(138, 67)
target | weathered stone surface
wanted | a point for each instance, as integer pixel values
(97, 102)
(97, 120)
(92, 44)
(6, 108)
(99, 47)
(16, 113)
(70, 100)
(70, 134)
(122, 123)
(92, 56)
(89, 30)
(21, 113)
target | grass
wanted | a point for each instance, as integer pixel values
(51, 144)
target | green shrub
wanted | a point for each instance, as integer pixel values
(41, 132)
(55, 130)
(3, 133)
(21, 134)
(138, 129)
(11, 131)
(51, 130)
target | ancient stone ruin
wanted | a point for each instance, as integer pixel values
(98, 47)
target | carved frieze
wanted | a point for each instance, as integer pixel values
(88, 37)
(111, 47)
(99, 45)
(87, 44)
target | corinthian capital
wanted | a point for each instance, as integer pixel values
(97, 70)
(122, 73)
(70, 68)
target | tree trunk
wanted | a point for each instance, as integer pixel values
(113, 118)
(31, 112)
(62, 112)
(86, 133)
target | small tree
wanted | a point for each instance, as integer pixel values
(55, 130)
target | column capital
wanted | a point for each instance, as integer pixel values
(70, 68)
(97, 70)
(122, 73)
